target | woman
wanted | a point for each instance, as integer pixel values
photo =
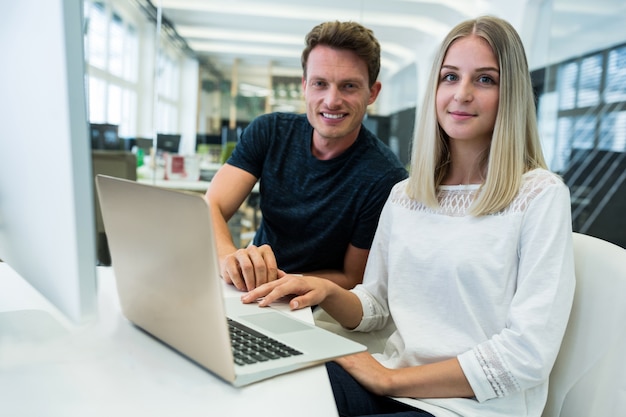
(472, 258)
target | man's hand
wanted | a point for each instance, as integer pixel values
(249, 268)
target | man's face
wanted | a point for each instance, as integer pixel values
(337, 93)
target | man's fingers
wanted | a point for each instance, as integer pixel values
(250, 268)
(231, 272)
(269, 259)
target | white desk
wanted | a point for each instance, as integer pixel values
(48, 367)
(184, 185)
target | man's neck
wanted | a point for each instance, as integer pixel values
(324, 148)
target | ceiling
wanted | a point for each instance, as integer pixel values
(266, 37)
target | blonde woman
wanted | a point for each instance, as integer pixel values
(472, 258)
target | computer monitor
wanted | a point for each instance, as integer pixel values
(47, 220)
(168, 142)
(144, 143)
(105, 136)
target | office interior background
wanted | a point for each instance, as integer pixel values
(201, 70)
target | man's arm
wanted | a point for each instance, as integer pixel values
(353, 269)
(228, 190)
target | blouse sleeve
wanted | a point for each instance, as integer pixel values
(523, 353)
(373, 291)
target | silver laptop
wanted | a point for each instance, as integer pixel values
(165, 262)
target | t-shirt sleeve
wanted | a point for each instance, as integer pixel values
(252, 147)
(369, 216)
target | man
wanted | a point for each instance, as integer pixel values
(323, 177)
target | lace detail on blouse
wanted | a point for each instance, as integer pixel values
(455, 200)
(500, 378)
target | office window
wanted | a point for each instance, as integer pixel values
(168, 88)
(547, 110)
(564, 133)
(168, 78)
(96, 39)
(589, 84)
(116, 46)
(123, 50)
(97, 100)
(613, 132)
(567, 76)
(616, 76)
(584, 132)
(167, 118)
(114, 110)
(112, 48)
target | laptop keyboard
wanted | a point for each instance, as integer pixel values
(250, 346)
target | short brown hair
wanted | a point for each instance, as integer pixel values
(346, 35)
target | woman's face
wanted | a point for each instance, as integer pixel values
(468, 91)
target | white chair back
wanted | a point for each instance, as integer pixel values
(589, 377)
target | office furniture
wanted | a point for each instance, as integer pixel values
(110, 367)
(121, 164)
(589, 377)
(181, 185)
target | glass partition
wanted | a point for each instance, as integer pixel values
(582, 112)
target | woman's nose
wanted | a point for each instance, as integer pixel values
(464, 92)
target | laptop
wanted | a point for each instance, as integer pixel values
(166, 268)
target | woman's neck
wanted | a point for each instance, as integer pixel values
(465, 167)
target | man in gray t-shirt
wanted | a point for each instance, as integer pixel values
(323, 177)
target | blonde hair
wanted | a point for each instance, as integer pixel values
(515, 147)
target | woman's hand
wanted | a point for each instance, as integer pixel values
(368, 372)
(308, 290)
(444, 379)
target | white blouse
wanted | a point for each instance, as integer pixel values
(494, 291)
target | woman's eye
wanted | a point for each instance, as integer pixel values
(486, 80)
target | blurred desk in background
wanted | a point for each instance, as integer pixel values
(182, 185)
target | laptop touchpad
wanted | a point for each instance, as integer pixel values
(276, 322)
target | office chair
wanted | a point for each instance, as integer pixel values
(589, 376)
(120, 164)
